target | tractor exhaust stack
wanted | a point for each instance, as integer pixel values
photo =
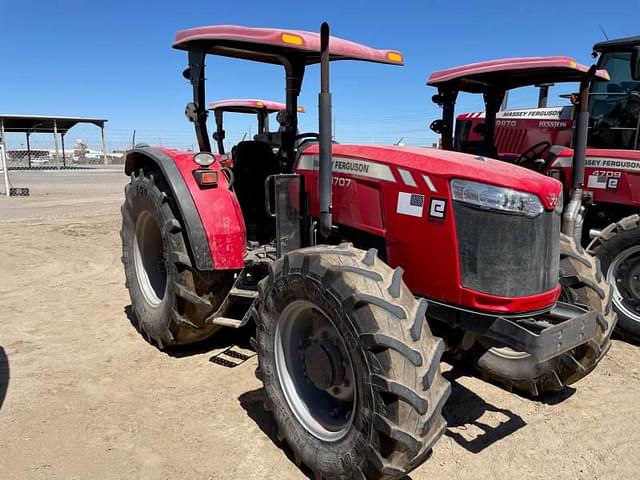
(324, 119)
(574, 213)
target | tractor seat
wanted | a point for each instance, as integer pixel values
(253, 162)
(477, 147)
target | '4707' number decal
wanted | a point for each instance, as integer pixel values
(342, 181)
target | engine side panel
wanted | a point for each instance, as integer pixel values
(413, 212)
(612, 176)
(518, 130)
(212, 216)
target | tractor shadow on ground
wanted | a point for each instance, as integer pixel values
(224, 339)
(253, 403)
(4, 375)
(473, 423)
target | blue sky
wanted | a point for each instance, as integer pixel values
(114, 58)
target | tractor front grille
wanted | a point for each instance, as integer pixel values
(507, 255)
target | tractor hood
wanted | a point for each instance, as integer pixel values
(445, 165)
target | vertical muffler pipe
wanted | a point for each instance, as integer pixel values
(572, 212)
(324, 119)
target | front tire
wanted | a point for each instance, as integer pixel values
(375, 409)
(171, 298)
(582, 284)
(618, 248)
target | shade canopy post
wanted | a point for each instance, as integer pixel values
(64, 158)
(55, 139)
(2, 139)
(3, 159)
(104, 145)
(28, 135)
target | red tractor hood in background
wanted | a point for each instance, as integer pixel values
(448, 164)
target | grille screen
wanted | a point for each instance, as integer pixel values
(507, 255)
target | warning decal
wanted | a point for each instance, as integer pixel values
(410, 204)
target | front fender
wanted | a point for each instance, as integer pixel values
(211, 217)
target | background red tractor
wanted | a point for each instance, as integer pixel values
(262, 109)
(611, 225)
(346, 355)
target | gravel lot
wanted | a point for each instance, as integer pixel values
(83, 396)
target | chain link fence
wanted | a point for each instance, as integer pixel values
(45, 153)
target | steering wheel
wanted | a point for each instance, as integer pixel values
(535, 152)
(304, 138)
(300, 136)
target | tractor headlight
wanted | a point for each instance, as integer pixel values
(491, 197)
(204, 158)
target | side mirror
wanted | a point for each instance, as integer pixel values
(219, 135)
(439, 127)
(191, 112)
(635, 62)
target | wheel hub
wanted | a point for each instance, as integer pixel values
(315, 370)
(624, 274)
(324, 364)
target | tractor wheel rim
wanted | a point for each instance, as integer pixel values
(315, 371)
(624, 276)
(148, 255)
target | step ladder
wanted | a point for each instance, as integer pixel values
(238, 307)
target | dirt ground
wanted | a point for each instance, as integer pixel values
(83, 396)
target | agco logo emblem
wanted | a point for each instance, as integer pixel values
(552, 198)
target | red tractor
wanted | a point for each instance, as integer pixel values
(611, 223)
(250, 106)
(344, 256)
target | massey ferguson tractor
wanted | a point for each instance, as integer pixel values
(343, 255)
(249, 106)
(611, 223)
(493, 79)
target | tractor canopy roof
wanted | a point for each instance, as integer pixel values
(617, 45)
(509, 73)
(277, 46)
(249, 105)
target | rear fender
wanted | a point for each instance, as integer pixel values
(211, 217)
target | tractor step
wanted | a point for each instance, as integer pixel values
(242, 292)
(227, 322)
(236, 310)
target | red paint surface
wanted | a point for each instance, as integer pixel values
(425, 248)
(514, 135)
(339, 49)
(504, 65)
(628, 191)
(250, 103)
(219, 211)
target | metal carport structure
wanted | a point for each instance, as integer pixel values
(56, 125)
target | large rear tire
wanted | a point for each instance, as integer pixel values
(171, 298)
(618, 248)
(582, 284)
(350, 368)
